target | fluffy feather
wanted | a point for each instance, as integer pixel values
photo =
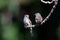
(27, 21)
(38, 17)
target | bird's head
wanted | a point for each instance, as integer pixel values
(37, 14)
(27, 15)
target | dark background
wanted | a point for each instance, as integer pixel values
(48, 31)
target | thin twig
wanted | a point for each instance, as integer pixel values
(54, 6)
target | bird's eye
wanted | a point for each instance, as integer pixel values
(26, 24)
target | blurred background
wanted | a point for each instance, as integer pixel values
(11, 20)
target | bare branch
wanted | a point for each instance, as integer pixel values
(54, 6)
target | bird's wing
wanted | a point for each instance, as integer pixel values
(27, 20)
(38, 17)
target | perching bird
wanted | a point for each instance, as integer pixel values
(38, 18)
(28, 24)
(27, 21)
